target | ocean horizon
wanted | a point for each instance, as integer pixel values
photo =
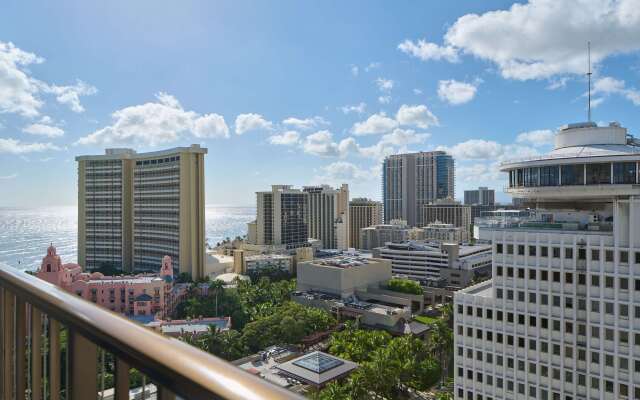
(26, 232)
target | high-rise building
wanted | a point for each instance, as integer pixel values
(481, 196)
(136, 208)
(447, 211)
(411, 180)
(560, 318)
(328, 211)
(281, 217)
(362, 214)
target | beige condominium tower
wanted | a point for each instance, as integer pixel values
(135, 208)
(363, 213)
(328, 211)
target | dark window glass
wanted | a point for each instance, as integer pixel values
(549, 176)
(624, 173)
(572, 175)
(598, 174)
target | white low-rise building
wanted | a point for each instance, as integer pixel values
(425, 261)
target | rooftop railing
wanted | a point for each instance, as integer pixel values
(53, 346)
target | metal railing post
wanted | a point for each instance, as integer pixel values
(54, 359)
(36, 354)
(20, 350)
(8, 303)
(83, 367)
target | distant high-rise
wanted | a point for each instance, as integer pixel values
(412, 180)
(328, 211)
(447, 211)
(136, 208)
(281, 217)
(483, 196)
(362, 214)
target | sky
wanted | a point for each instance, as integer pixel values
(302, 92)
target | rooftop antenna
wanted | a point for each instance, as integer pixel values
(589, 78)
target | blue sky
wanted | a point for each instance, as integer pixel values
(302, 92)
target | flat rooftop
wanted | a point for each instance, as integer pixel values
(482, 289)
(343, 261)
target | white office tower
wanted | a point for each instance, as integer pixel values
(561, 317)
(328, 211)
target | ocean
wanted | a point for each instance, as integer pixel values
(25, 233)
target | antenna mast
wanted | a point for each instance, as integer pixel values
(589, 79)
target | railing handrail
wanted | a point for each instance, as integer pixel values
(184, 369)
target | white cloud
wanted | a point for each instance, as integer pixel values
(251, 122)
(70, 95)
(559, 83)
(320, 144)
(343, 171)
(536, 138)
(288, 138)
(428, 51)
(478, 172)
(357, 108)
(384, 99)
(417, 91)
(384, 85)
(306, 123)
(455, 92)
(210, 126)
(155, 123)
(392, 143)
(372, 66)
(43, 130)
(13, 146)
(476, 149)
(607, 85)
(540, 38)
(375, 124)
(8, 177)
(416, 115)
(18, 90)
(355, 70)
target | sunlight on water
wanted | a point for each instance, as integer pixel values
(25, 233)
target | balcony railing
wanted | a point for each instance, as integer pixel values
(36, 318)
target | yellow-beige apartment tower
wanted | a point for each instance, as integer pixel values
(135, 208)
(363, 213)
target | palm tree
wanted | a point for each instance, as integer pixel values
(216, 287)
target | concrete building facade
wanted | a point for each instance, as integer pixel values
(281, 217)
(377, 235)
(427, 261)
(328, 215)
(135, 208)
(447, 211)
(560, 318)
(363, 213)
(412, 180)
(482, 196)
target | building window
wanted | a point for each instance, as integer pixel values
(598, 174)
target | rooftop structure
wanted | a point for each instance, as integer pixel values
(555, 320)
(317, 368)
(192, 327)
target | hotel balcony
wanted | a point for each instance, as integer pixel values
(53, 346)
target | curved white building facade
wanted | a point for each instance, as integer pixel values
(561, 317)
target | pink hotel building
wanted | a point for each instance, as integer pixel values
(142, 296)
